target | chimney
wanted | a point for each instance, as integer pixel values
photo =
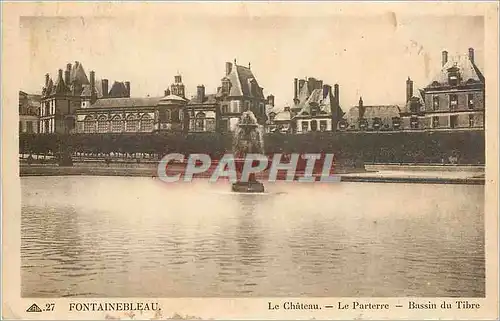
(46, 80)
(200, 90)
(409, 89)
(270, 100)
(229, 67)
(471, 54)
(105, 90)
(66, 77)
(326, 90)
(336, 94)
(301, 84)
(92, 81)
(295, 89)
(67, 74)
(60, 75)
(361, 108)
(127, 86)
(165, 93)
(444, 57)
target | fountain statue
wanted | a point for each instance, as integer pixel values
(248, 139)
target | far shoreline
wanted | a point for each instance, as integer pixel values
(381, 173)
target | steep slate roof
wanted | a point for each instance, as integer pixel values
(78, 74)
(29, 103)
(468, 70)
(241, 79)
(118, 89)
(126, 102)
(316, 97)
(384, 112)
(98, 88)
(208, 99)
(283, 116)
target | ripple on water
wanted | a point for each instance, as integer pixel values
(308, 241)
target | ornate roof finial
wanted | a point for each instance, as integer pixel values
(235, 61)
(249, 65)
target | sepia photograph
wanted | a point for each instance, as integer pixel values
(245, 155)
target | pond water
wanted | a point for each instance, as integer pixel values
(140, 237)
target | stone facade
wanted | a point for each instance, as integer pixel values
(29, 108)
(454, 99)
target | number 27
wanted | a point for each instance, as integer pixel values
(49, 306)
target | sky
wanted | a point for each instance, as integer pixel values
(368, 56)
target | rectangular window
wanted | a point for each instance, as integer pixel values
(210, 124)
(471, 121)
(435, 122)
(470, 101)
(414, 122)
(322, 125)
(453, 101)
(453, 121)
(435, 102)
(234, 106)
(225, 109)
(29, 127)
(20, 126)
(305, 126)
(247, 105)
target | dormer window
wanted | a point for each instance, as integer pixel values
(226, 86)
(314, 110)
(377, 122)
(396, 122)
(271, 116)
(453, 76)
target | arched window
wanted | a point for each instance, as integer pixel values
(89, 124)
(102, 124)
(314, 125)
(132, 124)
(200, 122)
(146, 123)
(116, 124)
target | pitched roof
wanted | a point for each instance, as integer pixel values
(78, 74)
(118, 89)
(98, 88)
(242, 80)
(385, 112)
(29, 103)
(208, 99)
(319, 97)
(468, 70)
(283, 116)
(126, 102)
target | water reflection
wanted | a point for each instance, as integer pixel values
(199, 240)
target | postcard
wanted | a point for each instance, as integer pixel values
(250, 160)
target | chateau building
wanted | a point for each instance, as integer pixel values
(454, 99)
(61, 99)
(239, 92)
(315, 107)
(125, 114)
(28, 112)
(203, 112)
(371, 118)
